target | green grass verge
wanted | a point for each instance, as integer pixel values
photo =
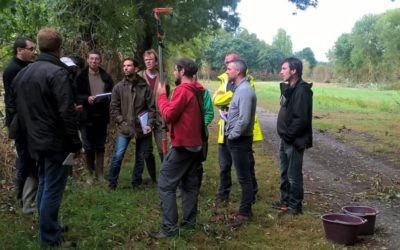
(122, 219)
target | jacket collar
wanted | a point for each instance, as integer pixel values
(52, 59)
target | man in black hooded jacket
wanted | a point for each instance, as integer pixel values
(294, 127)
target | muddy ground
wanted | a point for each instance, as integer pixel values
(337, 174)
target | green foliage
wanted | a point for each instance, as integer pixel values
(308, 55)
(22, 18)
(283, 42)
(370, 52)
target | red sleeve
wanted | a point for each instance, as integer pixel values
(172, 110)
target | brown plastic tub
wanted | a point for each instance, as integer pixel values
(366, 212)
(342, 228)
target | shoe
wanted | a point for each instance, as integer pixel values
(64, 229)
(220, 199)
(112, 187)
(64, 244)
(159, 235)
(289, 212)
(238, 220)
(280, 206)
(187, 226)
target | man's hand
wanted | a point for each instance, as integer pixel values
(147, 129)
(161, 89)
(91, 99)
(78, 108)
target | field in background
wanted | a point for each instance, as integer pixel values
(366, 118)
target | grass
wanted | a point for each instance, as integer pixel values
(122, 219)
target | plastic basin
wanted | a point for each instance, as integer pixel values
(342, 228)
(366, 212)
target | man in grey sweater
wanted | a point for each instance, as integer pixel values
(239, 131)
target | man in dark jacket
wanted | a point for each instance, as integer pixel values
(93, 89)
(25, 167)
(294, 127)
(46, 115)
(132, 108)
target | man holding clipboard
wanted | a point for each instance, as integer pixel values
(132, 108)
(93, 87)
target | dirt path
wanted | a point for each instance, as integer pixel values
(337, 174)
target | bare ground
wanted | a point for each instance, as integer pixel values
(337, 174)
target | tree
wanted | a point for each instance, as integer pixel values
(367, 51)
(308, 55)
(282, 42)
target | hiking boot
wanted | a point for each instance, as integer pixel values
(280, 206)
(187, 226)
(64, 244)
(289, 212)
(220, 199)
(112, 187)
(238, 220)
(160, 235)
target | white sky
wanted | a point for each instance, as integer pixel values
(317, 28)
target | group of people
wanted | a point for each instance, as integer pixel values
(53, 110)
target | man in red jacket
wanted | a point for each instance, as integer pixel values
(183, 116)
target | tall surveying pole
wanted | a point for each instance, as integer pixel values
(160, 37)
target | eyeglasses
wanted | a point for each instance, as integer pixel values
(31, 49)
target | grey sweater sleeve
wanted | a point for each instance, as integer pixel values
(245, 102)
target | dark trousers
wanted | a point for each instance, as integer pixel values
(225, 164)
(291, 170)
(94, 136)
(241, 149)
(179, 166)
(52, 181)
(25, 166)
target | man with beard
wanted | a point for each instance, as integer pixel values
(131, 98)
(184, 115)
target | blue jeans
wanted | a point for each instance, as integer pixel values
(291, 170)
(121, 145)
(241, 149)
(52, 180)
(94, 136)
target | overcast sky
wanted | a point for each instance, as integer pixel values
(317, 28)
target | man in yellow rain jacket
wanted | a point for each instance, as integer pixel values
(221, 99)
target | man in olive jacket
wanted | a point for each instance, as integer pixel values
(131, 100)
(294, 127)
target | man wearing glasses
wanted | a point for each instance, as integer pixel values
(24, 53)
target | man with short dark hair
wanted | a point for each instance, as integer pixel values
(26, 171)
(239, 134)
(93, 89)
(221, 99)
(133, 110)
(181, 164)
(294, 126)
(45, 109)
